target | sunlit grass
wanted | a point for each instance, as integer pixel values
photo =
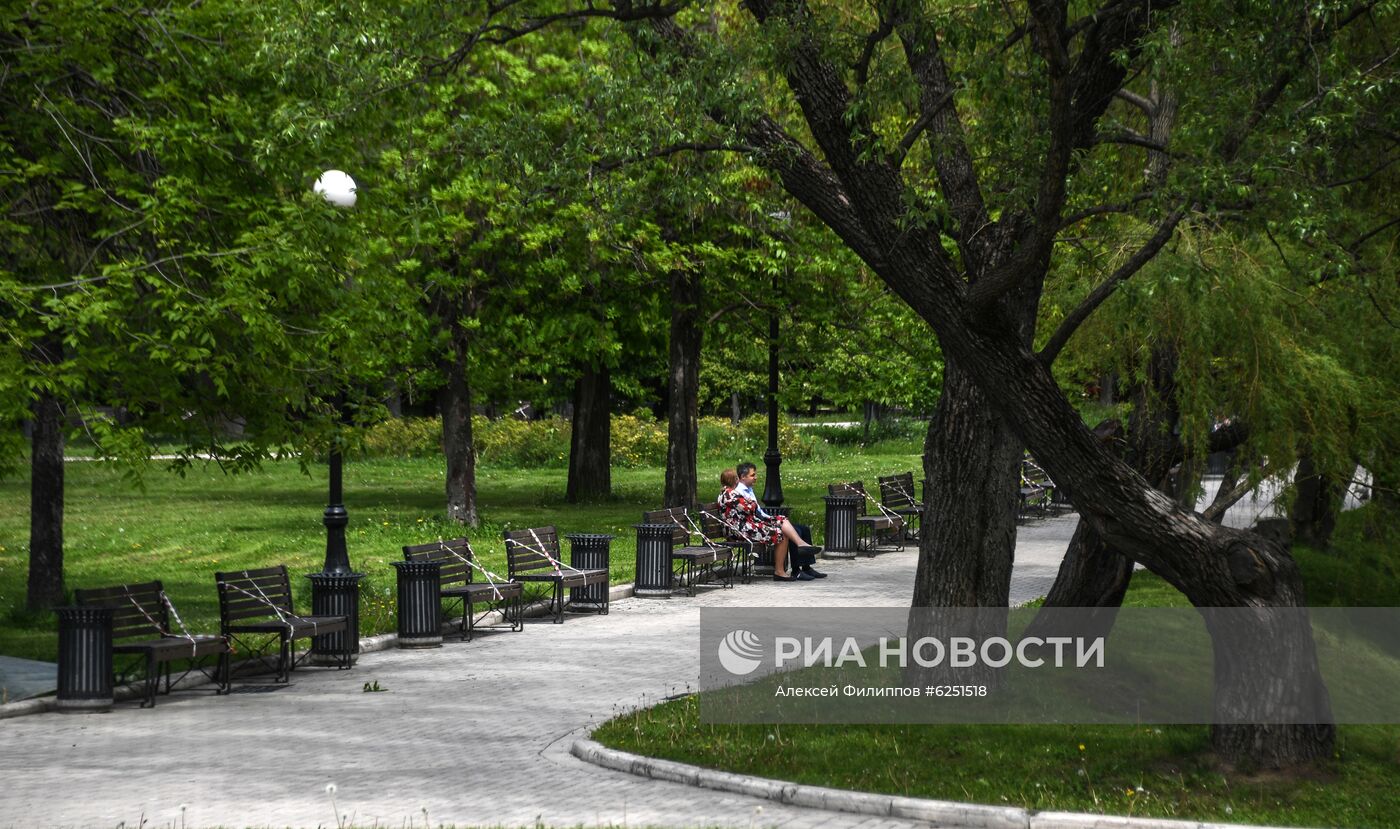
(182, 530)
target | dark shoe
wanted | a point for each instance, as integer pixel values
(809, 550)
(777, 577)
(811, 571)
(802, 576)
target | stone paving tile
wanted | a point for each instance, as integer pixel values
(477, 733)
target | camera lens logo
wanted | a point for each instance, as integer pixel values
(740, 652)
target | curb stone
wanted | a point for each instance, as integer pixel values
(941, 812)
(369, 644)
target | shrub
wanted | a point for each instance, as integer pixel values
(403, 437)
(720, 440)
(522, 443)
(637, 440)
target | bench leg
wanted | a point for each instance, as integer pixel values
(558, 603)
(286, 653)
(221, 674)
(152, 683)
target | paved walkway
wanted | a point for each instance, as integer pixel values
(475, 733)
(478, 733)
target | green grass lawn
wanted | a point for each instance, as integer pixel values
(181, 530)
(1158, 771)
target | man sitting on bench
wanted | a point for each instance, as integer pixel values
(750, 514)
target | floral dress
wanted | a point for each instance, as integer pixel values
(741, 516)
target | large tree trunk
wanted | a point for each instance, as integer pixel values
(683, 390)
(1092, 574)
(1316, 503)
(455, 403)
(590, 473)
(968, 541)
(1214, 566)
(971, 462)
(46, 505)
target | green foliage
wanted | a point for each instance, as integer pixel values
(638, 441)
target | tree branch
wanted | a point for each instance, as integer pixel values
(1097, 296)
(611, 164)
(1102, 209)
(1148, 107)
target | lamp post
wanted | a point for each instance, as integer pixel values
(335, 591)
(773, 459)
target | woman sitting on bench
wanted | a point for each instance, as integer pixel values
(744, 516)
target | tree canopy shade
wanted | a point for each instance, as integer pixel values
(952, 147)
(167, 269)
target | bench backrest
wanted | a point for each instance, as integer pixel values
(451, 556)
(252, 594)
(1033, 475)
(711, 522)
(523, 550)
(897, 491)
(673, 517)
(856, 488)
(137, 609)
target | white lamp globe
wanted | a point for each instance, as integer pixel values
(337, 188)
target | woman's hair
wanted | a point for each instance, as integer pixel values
(729, 478)
(745, 468)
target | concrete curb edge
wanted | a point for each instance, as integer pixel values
(941, 812)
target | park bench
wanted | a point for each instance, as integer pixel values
(532, 558)
(745, 553)
(897, 496)
(141, 613)
(871, 528)
(457, 568)
(1036, 494)
(255, 602)
(694, 560)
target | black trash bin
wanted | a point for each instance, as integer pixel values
(654, 544)
(84, 659)
(420, 603)
(589, 551)
(335, 595)
(840, 536)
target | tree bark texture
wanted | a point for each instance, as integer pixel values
(972, 463)
(455, 403)
(967, 544)
(590, 451)
(46, 505)
(683, 390)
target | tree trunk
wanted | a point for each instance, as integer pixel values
(1214, 566)
(971, 462)
(455, 403)
(46, 505)
(1092, 574)
(968, 541)
(590, 474)
(683, 390)
(1315, 505)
